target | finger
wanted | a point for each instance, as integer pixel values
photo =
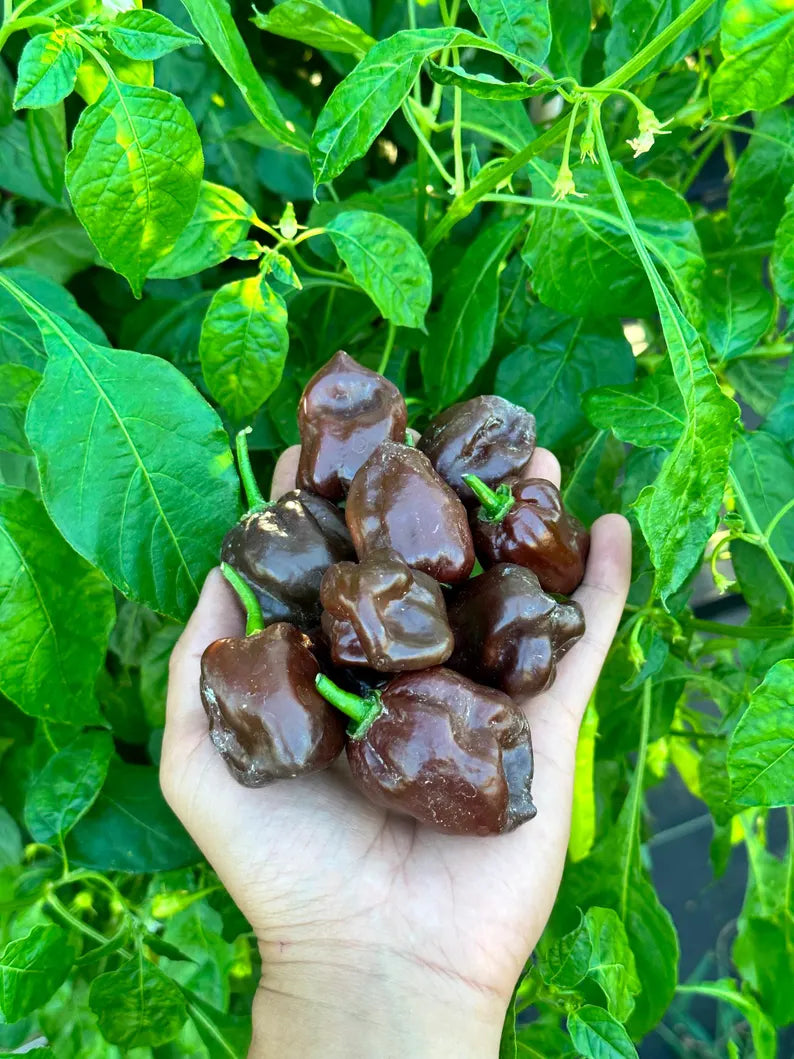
(218, 613)
(602, 595)
(544, 464)
(285, 472)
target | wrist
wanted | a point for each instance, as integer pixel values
(346, 1001)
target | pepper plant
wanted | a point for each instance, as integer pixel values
(586, 209)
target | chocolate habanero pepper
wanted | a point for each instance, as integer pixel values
(487, 436)
(282, 548)
(508, 632)
(440, 748)
(524, 521)
(381, 613)
(345, 412)
(266, 717)
(398, 501)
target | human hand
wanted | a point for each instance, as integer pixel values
(380, 937)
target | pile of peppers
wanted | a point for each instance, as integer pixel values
(398, 602)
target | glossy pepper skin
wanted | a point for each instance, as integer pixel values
(487, 436)
(266, 717)
(282, 548)
(345, 412)
(508, 632)
(382, 614)
(531, 528)
(398, 501)
(452, 754)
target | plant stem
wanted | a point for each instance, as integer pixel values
(410, 117)
(384, 360)
(77, 924)
(334, 277)
(635, 795)
(254, 622)
(463, 205)
(11, 25)
(495, 503)
(363, 711)
(253, 494)
(699, 162)
(770, 529)
(762, 541)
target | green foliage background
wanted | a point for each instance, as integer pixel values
(198, 208)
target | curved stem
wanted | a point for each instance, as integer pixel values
(495, 503)
(253, 494)
(253, 612)
(387, 349)
(334, 277)
(13, 24)
(362, 711)
(762, 541)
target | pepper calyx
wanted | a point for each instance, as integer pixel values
(494, 503)
(362, 710)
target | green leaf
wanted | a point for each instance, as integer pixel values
(359, 107)
(139, 146)
(570, 36)
(762, 1030)
(173, 490)
(645, 413)
(763, 178)
(519, 26)
(505, 122)
(213, 19)
(761, 751)
(507, 1041)
(244, 345)
(780, 420)
(634, 23)
(47, 139)
(146, 35)
(462, 333)
(738, 310)
(783, 256)
(583, 813)
(31, 969)
(312, 23)
(137, 1005)
(17, 384)
(678, 513)
(585, 264)
(50, 659)
(597, 1035)
(757, 70)
(17, 172)
(281, 268)
(562, 359)
(763, 953)
(485, 86)
(67, 786)
(130, 828)
(221, 219)
(387, 262)
(765, 470)
(47, 69)
(55, 246)
(10, 841)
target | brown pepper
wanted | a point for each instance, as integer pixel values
(508, 632)
(381, 613)
(345, 412)
(398, 501)
(438, 747)
(487, 436)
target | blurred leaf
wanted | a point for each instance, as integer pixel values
(137, 1005)
(138, 145)
(54, 245)
(47, 139)
(130, 828)
(763, 1032)
(31, 969)
(570, 28)
(783, 256)
(763, 952)
(67, 786)
(634, 23)
(761, 752)
(10, 841)
(50, 660)
(765, 471)
(385, 261)
(17, 172)
(764, 175)
(17, 384)
(757, 44)
(243, 345)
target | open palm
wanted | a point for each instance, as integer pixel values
(339, 890)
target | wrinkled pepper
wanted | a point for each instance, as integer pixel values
(508, 632)
(487, 436)
(381, 613)
(282, 548)
(525, 522)
(266, 718)
(436, 746)
(345, 412)
(398, 501)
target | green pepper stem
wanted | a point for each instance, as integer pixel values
(254, 622)
(361, 710)
(495, 502)
(253, 494)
